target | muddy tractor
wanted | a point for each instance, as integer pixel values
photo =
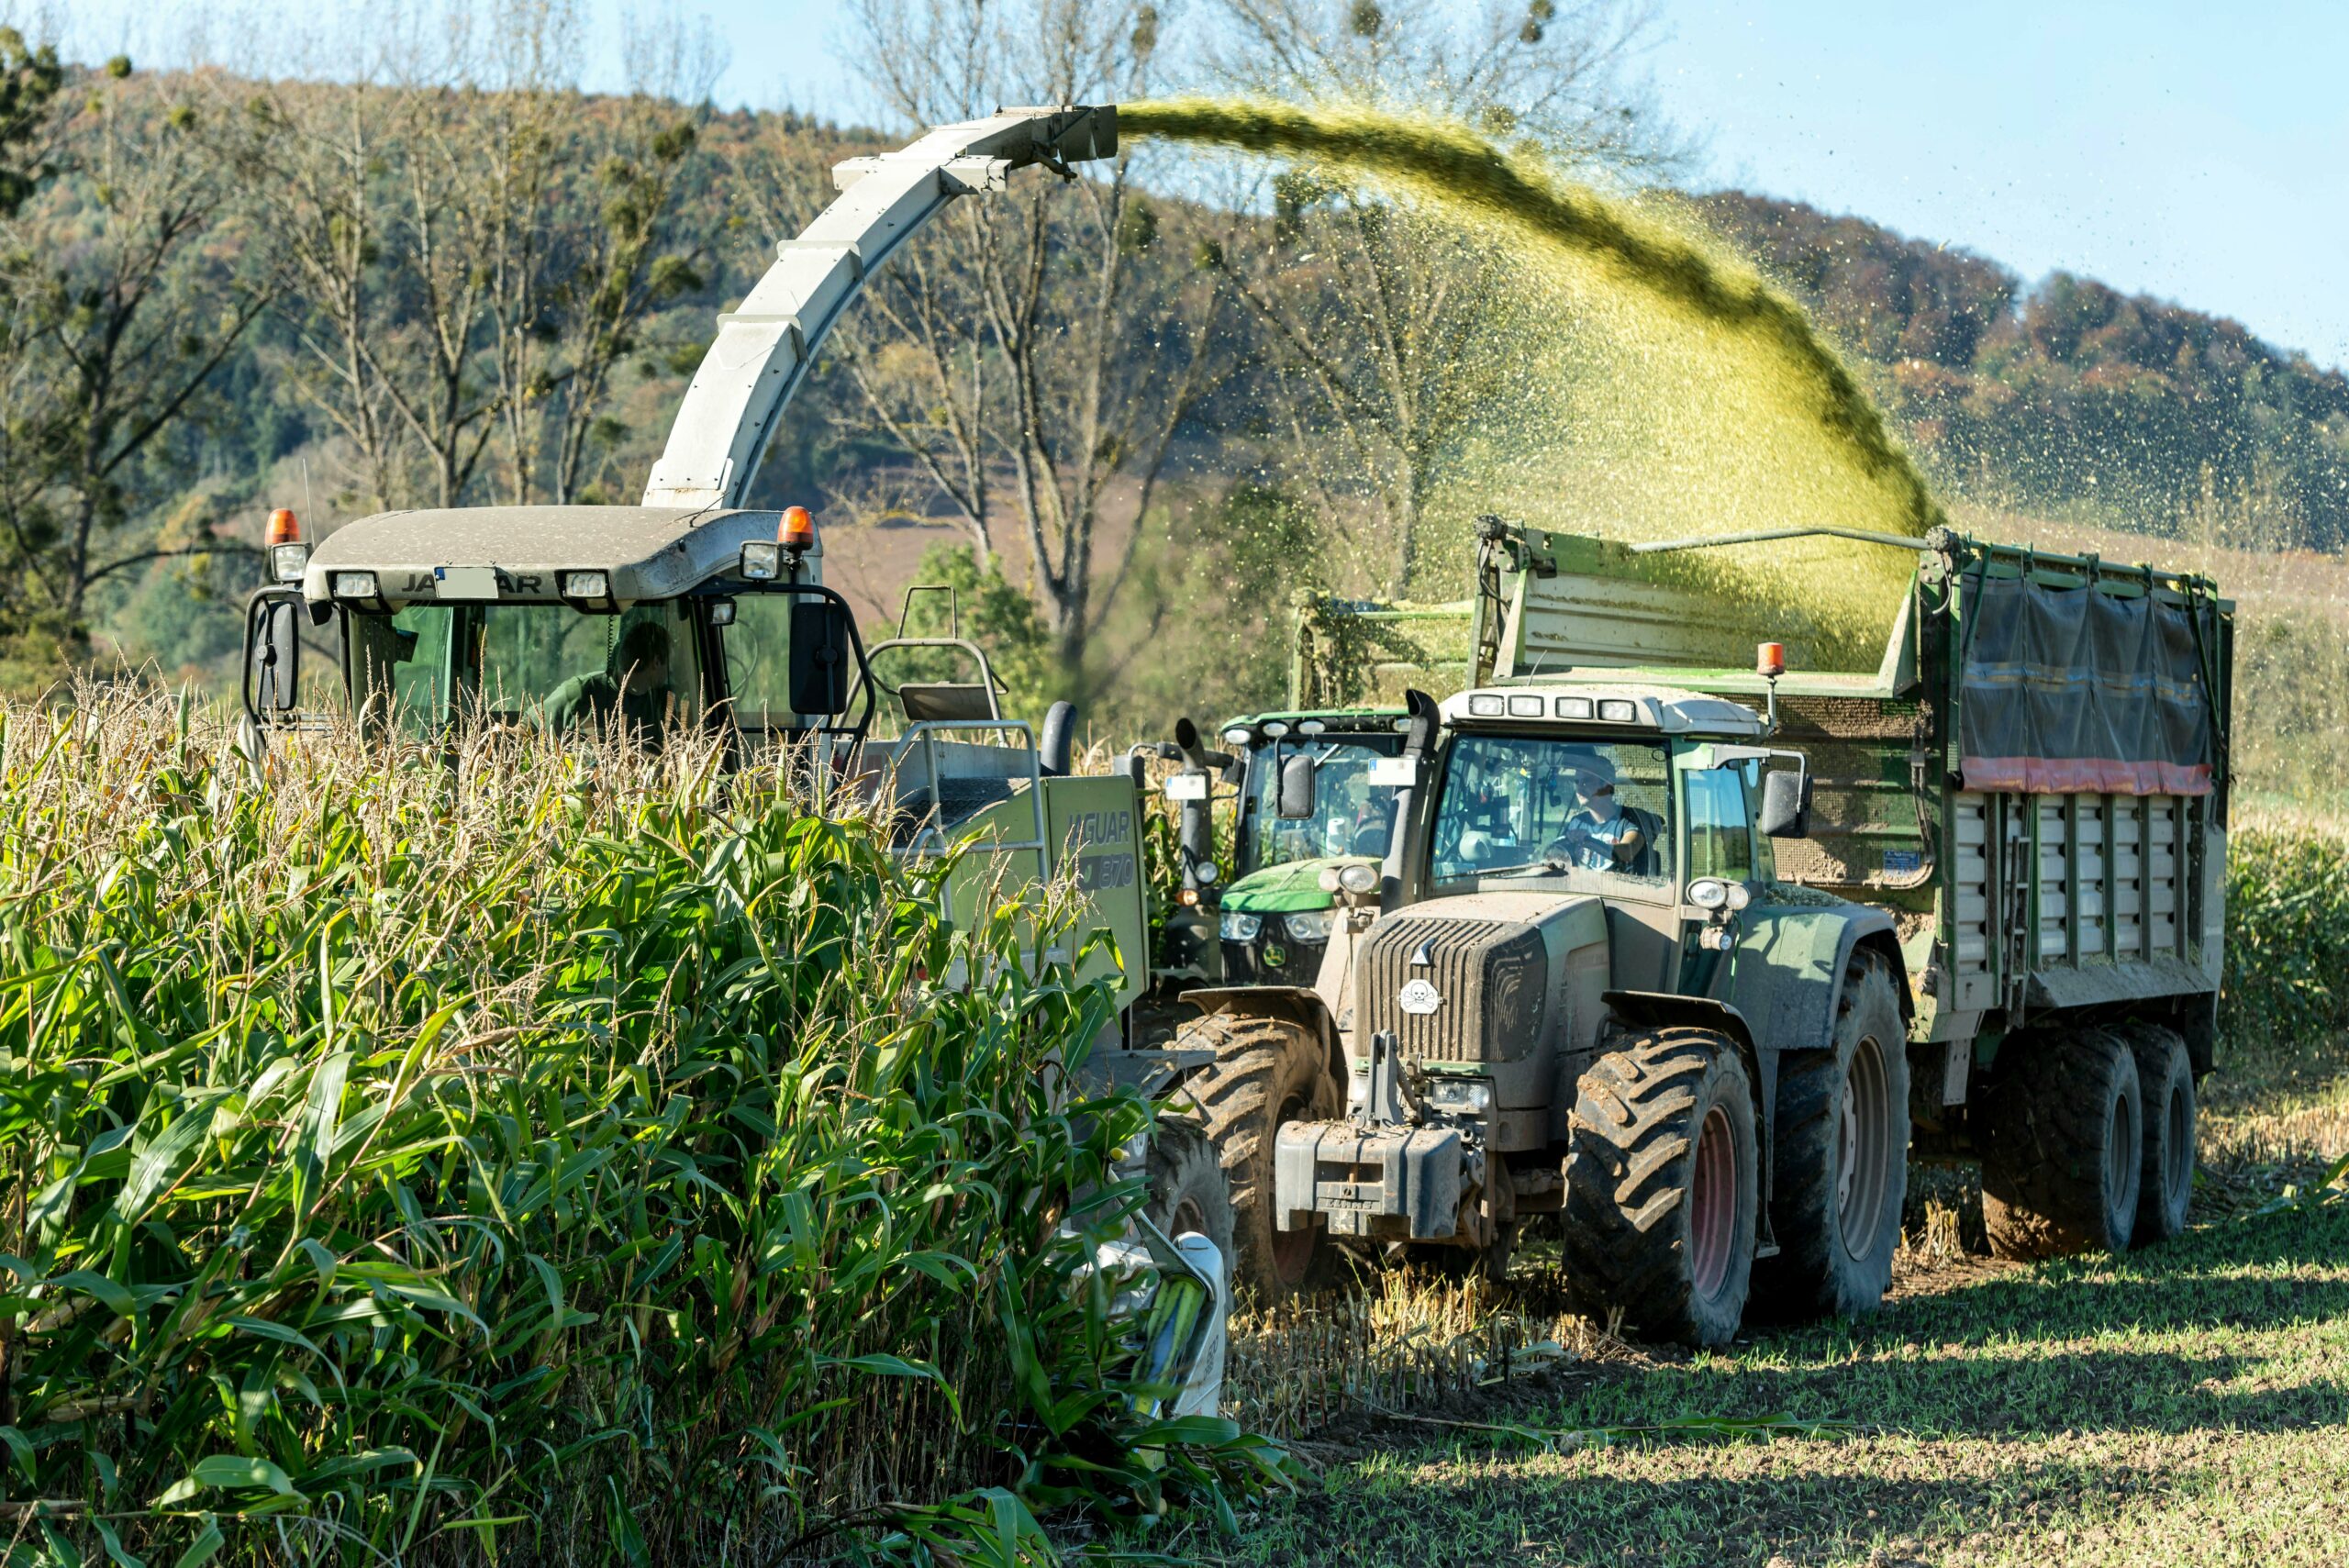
(1689, 957)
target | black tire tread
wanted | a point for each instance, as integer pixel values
(2042, 1149)
(1631, 1131)
(1814, 1272)
(2162, 1061)
(1236, 1098)
(1182, 1163)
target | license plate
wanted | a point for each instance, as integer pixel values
(464, 582)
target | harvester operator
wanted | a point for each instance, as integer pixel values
(633, 684)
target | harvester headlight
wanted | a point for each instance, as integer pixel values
(1616, 710)
(1207, 874)
(1238, 926)
(1525, 708)
(354, 585)
(1238, 735)
(1574, 707)
(584, 585)
(1274, 728)
(1740, 895)
(1709, 893)
(1307, 925)
(1486, 705)
(762, 561)
(1360, 876)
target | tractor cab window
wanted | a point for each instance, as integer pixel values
(1720, 830)
(1592, 812)
(758, 663)
(1351, 815)
(546, 666)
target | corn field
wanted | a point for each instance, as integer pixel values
(550, 1159)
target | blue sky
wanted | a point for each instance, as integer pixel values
(2197, 152)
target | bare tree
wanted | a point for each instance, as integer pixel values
(1382, 324)
(117, 336)
(1040, 366)
(586, 251)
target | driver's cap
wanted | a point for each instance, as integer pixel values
(1591, 770)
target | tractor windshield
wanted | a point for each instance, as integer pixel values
(549, 666)
(1352, 815)
(1587, 811)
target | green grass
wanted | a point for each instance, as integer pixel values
(2185, 1404)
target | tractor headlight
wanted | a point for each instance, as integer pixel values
(1360, 876)
(1709, 893)
(1617, 711)
(286, 562)
(1240, 926)
(354, 584)
(762, 561)
(1461, 1096)
(1307, 926)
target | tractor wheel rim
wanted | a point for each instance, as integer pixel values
(1292, 1249)
(2119, 1151)
(1712, 1203)
(2178, 1151)
(1862, 1151)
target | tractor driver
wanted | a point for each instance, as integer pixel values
(1602, 834)
(633, 684)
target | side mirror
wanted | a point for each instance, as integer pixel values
(1297, 792)
(1786, 804)
(819, 657)
(273, 654)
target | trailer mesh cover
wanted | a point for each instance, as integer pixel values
(2081, 689)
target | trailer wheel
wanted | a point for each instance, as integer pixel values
(2061, 1159)
(1841, 1163)
(2165, 1186)
(1267, 1072)
(1661, 1190)
(1188, 1190)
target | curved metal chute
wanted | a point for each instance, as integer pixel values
(764, 350)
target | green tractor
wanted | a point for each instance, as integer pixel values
(1686, 958)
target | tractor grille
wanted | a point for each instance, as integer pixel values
(1490, 974)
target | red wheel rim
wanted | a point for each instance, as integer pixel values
(1712, 1203)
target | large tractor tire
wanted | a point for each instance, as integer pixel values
(1188, 1190)
(1267, 1072)
(2062, 1151)
(1841, 1169)
(2165, 1078)
(1661, 1190)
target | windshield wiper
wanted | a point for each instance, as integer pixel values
(1547, 863)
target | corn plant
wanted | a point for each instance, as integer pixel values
(2288, 928)
(545, 1158)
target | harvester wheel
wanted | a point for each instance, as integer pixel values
(2166, 1077)
(1661, 1189)
(1267, 1072)
(2061, 1161)
(1188, 1190)
(1841, 1170)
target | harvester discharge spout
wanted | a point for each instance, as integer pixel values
(764, 350)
